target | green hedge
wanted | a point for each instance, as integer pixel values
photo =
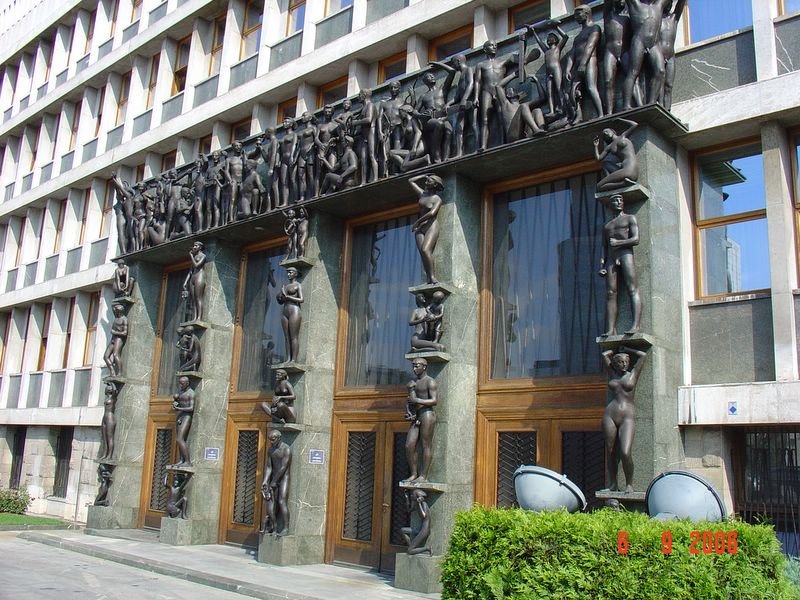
(14, 501)
(516, 554)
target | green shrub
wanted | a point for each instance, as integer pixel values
(516, 554)
(15, 501)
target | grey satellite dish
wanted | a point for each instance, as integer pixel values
(683, 495)
(542, 489)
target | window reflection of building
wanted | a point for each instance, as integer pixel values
(706, 19)
(731, 220)
(548, 296)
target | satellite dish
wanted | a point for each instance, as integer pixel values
(683, 495)
(542, 489)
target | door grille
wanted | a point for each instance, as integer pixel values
(400, 472)
(583, 459)
(514, 448)
(244, 496)
(360, 480)
(159, 492)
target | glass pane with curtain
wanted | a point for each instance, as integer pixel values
(384, 264)
(175, 312)
(262, 342)
(735, 257)
(549, 300)
(731, 182)
(710, 18)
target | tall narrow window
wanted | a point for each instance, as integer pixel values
(789, 7)
(705, 20)
(114, 13)
(40, 361)
(136, 10)
(90, 31)
(547, 297)
(332, 92)
(251, 30)
(217, 38)
(392, 67)
(23, 226)
(204, 145)
(87, 198)
(451, 43)
(68, 336)
(4, 340)
(168, 161)
(108, 205)
(47, 54)
(240, 130)
(151, 86)
(122, 98)
(528, 13)
(73, 130)
(17, 455)
(337, 5)
(59, 222)
(53, 141)
(101, 98)
(181, 65)
(63, 455)
(139, 172)
(35, 147)
(287, 109)
(70, 40)
(91, 328)
(731, 217)
(296, 16)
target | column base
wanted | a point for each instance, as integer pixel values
(418, 573)
(176, 532)
(285, 550)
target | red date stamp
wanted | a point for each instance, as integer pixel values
(700, 542)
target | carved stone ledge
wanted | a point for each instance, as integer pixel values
(429, 288)
(293, 427)
(181, 469)
(198, 325)
(300, 263)
(430, 356)
(123, 300)
(189, 374)
(110, 462)
(640, 341)
(290, 367)
(115, 379)
(427, 486)
(630, 194)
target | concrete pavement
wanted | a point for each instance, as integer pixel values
(228, 568)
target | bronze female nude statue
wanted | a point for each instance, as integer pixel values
(620, 166)
(426, 227)
(291, 297)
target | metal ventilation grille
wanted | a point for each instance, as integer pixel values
(244, 496)
(584, 460)
(514, 448)
(400, 472)
(360, 485)
(159, 492)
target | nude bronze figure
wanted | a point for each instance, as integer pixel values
(183, 405)
(291, 297)
(281, 409)
(119, 335)
(194, 286)
(275, 487)
(123, 281)
(421, 399)
(417, 539)
(109, 423)
(426, 227)
(581, 67)
(645, 49)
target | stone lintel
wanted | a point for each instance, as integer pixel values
(189, 374)
(640, 341)
(300, 263)
(429, 356)
(181, 469)
(123, 300)
(198, 325)
(115, 379)
(630, 194)
(429, 288)
(427, 486)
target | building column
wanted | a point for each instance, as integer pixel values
(764, 39)
(357, 77)
(782, 251)
(484, 26)
(315, 12)
(416, 53)
(306, 98)
(454, 436)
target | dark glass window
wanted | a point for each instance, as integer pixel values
(710, 18)
(175, 312)
(549, 300)
(63, 456)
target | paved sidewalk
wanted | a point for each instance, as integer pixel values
(227, 567)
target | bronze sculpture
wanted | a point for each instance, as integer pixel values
(109, 424)
(556, 42)
(190, 354)
(123, 281)
(296, 229)
(645, 27)
(307, 182)
(281, 409)
(519, 117)
(365, 126)
(426, 320)
(616, 43)
(488, 73)
(119, 335)
(421, 399)
(176, 502)
(275, 487)
(104, 475)
(194, 286)
(666, 40)
(618, 423)
(267, 146)
(620, 235)
(183, 405)
(581, 67)
(416, 539)
(291, 297)
(431, 111)
(426, 227)
(620, 165)
(389, 124)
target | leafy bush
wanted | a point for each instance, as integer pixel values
(516, 554)
(15, 501)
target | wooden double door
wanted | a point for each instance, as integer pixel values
(367, 507)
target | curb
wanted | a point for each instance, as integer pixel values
(36, 527)
(223, 583)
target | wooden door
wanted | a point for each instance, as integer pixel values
(241, 509)
(367, 506)
(160, 451)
